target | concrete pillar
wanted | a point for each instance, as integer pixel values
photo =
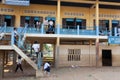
(97, 27)
(1, 65)
(110, 25)
(6, 57)
(57, 53)
(14, 60)
(58, 12)
(17, 20)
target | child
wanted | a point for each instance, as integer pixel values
(47, 68)
(19, 64)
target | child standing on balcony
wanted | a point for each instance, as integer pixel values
(50, 25)
(38, 24)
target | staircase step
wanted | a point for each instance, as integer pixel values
(19, 51)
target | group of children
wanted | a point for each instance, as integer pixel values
(36, 48)
(46, 66)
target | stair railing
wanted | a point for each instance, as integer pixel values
(2, 31)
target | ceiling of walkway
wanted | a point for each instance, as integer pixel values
(54, 2)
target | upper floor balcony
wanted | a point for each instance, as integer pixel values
(58, 29)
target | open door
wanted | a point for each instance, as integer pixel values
(106, 58)
(48, 53)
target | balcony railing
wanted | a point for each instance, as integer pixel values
(64, 31)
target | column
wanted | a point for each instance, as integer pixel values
(58, 16)
(57, 52)
(110, 25)
(97, 27)
(6, 57)
(17, 20)
(1, 65)
(14, 60)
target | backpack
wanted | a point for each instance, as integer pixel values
(41, 54)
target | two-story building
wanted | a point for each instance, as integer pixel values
(85, 32)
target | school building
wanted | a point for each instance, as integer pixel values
(85, 32)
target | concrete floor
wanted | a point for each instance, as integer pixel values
(69, 73)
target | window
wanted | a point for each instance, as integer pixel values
(74, 54)
(30, 20)
(103, 25)
(71, 23)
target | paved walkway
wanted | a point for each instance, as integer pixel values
(72, 73)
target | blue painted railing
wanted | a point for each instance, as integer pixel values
(3, 28)
(12, 37)
(21, 36)
(21, 32)
(59, 30)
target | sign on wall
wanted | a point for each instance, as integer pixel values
(114, 39)
(17, 2)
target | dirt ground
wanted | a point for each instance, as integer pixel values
(69, 73)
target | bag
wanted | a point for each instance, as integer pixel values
(41, 54)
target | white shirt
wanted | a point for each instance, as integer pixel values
(36, 47)
(15, 33)
(46, 22)
(118, 30)
(51, 23)
(19, 61)
(46, 65)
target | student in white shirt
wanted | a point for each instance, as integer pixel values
(50, 26)
(36, 48)
(47, 68)
(19, 64)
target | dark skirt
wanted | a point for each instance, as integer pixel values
(47, 69)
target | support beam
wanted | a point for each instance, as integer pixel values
(79, 1)
(58, 16)
(17, 21)
(57, 52)
(97, 30)
(91, 2)
(110, 25)
(58, 11)
(1, 65)
(109, 3)
(14, 60)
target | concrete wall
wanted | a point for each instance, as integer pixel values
(88, 55)
(115, 54)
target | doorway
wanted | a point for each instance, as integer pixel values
(48, 53)
(9, 19)
(106, 58)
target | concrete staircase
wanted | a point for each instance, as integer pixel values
(6, 47)
(20, 52)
